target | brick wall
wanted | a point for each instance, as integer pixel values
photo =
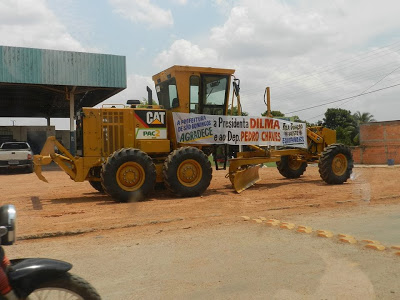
(379, 142)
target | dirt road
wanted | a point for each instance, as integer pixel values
(176, 248)
(244, 260)
(65, 206)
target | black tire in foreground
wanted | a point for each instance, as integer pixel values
(65, 287)
(187, 172)
(336, 164)
(97, 186)
(128, 175)
(290, 167)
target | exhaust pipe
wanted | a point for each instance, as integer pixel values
(149, 96)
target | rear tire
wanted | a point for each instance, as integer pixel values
(289, 167)
(128, 175)
(67, 285)
(187, 172)
(336, 164)
(97, 186)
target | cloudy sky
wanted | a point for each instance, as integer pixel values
(310, 52)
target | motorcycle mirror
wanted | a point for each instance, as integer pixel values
(8, 218)
(3, 231)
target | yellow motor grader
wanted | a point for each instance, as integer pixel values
(124, 150)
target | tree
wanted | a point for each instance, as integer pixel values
(144, 102)
(274, 113)
(235, 112)
(343, 122)
(279, 114)
(361, 118)
(338, 117)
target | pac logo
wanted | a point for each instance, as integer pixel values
(151, 133)
(155, 117)
(145, 133)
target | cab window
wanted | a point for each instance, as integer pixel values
(214, 89)
(194, 94)
(167, 94)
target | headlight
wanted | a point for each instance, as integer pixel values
(8, 218)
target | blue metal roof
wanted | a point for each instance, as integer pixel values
(33, 82)
(41, 66)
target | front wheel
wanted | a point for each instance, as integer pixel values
(291, 167)
(68, 286)
(97, 186)
(187, 172)
(335, 164)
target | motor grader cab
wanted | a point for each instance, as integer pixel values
(125, 150)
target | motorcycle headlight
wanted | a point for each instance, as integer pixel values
(8, 219)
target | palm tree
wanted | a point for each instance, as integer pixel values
(361, 118)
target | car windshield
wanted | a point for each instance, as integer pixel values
(15, 146)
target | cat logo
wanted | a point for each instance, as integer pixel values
(155, 117)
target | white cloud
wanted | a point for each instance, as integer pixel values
(269, 29)
(143, 11)
(136, 90)
(183, 52)
(280, 44)
(180, 2)
(30, 23)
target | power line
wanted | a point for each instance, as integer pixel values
(319, 87)
(370, 55)
(395, 69)
(375, 83)
(367, 73)
(347, 98)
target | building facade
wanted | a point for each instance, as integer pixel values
(379, 143)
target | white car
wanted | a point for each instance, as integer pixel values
(16, 155)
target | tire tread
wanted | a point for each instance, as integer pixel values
(286, 171)
(171, 165)
(73, 283)
(110, 167)
(325, 163)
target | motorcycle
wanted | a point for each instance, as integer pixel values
(38, 278)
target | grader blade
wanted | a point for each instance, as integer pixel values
(243, 179)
